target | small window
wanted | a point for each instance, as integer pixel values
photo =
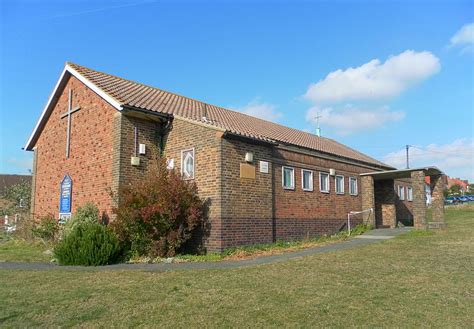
(401, 192)
(288, 178)
(187, 164)
(324, 182)
(339, 184)
(307, 180)
(409, 193)
(353, 186)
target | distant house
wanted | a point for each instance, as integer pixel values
(464, 184)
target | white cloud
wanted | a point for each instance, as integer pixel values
(375, 80)
(455, 159)
(260, 110)
(464, 38)
(350, 119)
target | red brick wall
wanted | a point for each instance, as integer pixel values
(301, 213)
(91, 148)
(206, 142)
(247, 204)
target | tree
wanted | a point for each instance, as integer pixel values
(455, 189)
(19, 196)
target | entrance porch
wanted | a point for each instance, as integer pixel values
(379, 193)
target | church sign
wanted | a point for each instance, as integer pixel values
(65, 199)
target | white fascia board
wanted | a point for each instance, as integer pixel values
(109, 99)
(46, 109)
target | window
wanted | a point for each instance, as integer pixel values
(339, 184)
(409, 194)
(324, 182)
(307, 180)
(401, 192)
(353, 186)
(187, 164)
(288, 178)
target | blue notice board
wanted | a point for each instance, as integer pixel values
(66, 195)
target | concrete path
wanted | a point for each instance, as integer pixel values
(367, 238)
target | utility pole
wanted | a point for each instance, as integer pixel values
(408, 157)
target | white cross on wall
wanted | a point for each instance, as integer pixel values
(68, 114)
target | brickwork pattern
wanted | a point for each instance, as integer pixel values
(247, 204)
(91, 149)
(368, 197)
(385, 199)
(437, 186)
(206, 142)
(301, 214)
(419, 202)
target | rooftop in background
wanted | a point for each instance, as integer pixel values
(126, 94)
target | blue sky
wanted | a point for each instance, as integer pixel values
(381, 75)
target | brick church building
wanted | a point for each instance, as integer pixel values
(263, 181)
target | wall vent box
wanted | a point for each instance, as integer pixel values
(142, 149)
(332, 172)
(135, 161)
(248, 157)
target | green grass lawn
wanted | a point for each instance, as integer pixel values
(416, 280)
(17, 250)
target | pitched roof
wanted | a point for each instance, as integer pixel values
(128, 93)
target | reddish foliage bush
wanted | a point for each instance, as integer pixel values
(158, 215)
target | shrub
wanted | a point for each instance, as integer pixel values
(47, 228)
(158, 215)
(88, 213)
(88, 244)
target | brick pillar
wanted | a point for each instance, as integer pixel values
(117, 179)
(368, 199)
(437, 200)
(33, 182)
(419, 201)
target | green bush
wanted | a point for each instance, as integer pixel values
(88, 213)
(88, 244)
(47, 228)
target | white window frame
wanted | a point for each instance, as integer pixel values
(343, 183)
(401, 192)
(356, 192)
(311, 181)
(194, 163)
(292, 187)
(409, 193)
(328, 182)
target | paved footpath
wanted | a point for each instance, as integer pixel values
(367, 238)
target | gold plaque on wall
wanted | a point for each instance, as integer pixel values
(247, 171)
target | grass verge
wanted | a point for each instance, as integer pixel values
(417, 281)
(18, 250)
